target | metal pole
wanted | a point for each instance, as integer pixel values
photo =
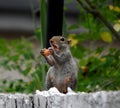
(54, 19)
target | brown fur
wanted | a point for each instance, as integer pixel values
(63, 70)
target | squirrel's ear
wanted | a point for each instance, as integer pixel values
(69, 41)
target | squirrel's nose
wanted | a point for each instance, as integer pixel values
(51, 41)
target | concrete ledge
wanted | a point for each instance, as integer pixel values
(54, 99)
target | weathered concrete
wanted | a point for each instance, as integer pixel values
(54, 99)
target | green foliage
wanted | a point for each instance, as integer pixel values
(38, 34)
(102, 72)
(98, 68)
(99, 65)
(94, 23)
(18, 55)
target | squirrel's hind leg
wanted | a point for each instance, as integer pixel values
(49, 81)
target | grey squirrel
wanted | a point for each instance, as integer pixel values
(63, 69)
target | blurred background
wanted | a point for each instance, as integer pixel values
(16, 17)
(97, 45)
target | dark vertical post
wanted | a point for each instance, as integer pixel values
(54, 19)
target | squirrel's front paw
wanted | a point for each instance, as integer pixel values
(46, 52)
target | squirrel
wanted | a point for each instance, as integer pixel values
(63, 69)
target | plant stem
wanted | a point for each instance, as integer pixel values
(43, 21)
(43, 35)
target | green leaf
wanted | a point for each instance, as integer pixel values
(74, 26)
(83, 62)
(38, 33)
(106, 37)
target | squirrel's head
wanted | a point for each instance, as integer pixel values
(59, 43)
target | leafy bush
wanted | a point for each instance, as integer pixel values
(98, 68)
(100, 72)
(99, 65)
(19, 55)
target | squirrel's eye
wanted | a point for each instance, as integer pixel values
(62, 39)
